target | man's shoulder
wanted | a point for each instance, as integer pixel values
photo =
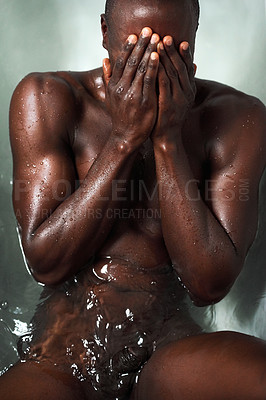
(41, 92)
(224, 108)
(58, 87)
(219, 96)
(233, 124)
(46, 85)
(51, 98)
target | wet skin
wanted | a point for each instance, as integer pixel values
(192, 143)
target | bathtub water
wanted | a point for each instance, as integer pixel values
(54, 35)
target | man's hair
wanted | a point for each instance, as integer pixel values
(110, 4)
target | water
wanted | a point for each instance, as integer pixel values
(103, 325)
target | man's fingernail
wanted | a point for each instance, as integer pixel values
(154, 56)
(132, 39)
(154, 38)
(145, 32)
(160, 46)
(168, 41)
(185, 46)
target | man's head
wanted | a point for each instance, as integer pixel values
(178, 18)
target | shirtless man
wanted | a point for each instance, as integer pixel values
(127, 195)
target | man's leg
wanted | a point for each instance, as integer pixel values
(215, 366)
(29, 381)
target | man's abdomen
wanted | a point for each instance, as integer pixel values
(105, 323)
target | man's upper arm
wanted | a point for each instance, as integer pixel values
(41, 114)
(237, 160)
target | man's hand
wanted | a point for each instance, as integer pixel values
(131, 89)
(177, 88)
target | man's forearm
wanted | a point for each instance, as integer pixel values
(200, 249)
(74, 232)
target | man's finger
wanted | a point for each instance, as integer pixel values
(164, 85)
(185, 52)
(143, 65)
(107, 71)
(149, 81)
(135, 60)
(122, 58)
(183, 70)
(170, 69)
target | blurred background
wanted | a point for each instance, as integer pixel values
(50, 35)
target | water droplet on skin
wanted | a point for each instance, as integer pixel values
(140, 341)
(4, 305)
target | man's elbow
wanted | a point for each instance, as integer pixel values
(45, 269)
(203, 300)
(208, 294)
(44, 274)
(48, 279)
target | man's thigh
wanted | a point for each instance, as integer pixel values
(214, 366)
(29, 381)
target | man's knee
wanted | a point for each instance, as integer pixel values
(195, 367)
(27, 381)
(156, 379)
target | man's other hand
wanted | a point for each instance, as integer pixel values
(177, 89)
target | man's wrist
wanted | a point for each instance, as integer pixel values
(121, 146)
(171, 140)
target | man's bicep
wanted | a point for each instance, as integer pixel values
(40, 185)
(44, 172)
(234, 202)
(233, 188)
